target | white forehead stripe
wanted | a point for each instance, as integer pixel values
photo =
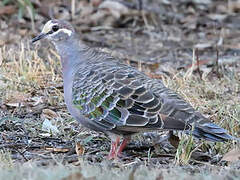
(67, 31)
(48, 26)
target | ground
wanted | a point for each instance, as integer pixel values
(192, 46)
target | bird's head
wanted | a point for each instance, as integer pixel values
(55, 31)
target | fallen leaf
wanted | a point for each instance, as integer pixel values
(16, 99)
(22, 32)
(174, 140)
(7, 10)
(63, 150)
(79, 149)
(232, 156)
(153, 75)
(219, 17)
(234, 6)
(37, 100)
(203, 45)
(115, 8)
(45, 134)
(85, 8)
(48, 127)
(48, 113)
(96, 3)
(200, 156)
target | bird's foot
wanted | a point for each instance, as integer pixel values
(113, 151)
(116, 150)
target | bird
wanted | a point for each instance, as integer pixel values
(106, 95)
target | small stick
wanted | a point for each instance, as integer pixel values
(198, 64)
(73, 8)
(21, 153)
(217, 70)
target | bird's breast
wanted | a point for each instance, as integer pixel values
(67, 87)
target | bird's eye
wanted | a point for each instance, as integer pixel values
(55, 28)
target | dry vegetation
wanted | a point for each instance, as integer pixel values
(193, 47)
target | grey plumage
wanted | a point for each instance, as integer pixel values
(106, 95)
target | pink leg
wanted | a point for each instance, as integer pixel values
(116, 150)
(122, 146)
(113, 152)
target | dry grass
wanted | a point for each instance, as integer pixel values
(85, 171)
(31, 83)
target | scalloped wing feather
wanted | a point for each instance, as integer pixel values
(121, 99)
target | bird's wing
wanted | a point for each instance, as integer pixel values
(118, 96)
(123, 100)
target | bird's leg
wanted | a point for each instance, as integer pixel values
(114, 147)
(122, 146)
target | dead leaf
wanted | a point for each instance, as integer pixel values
(7, 10)
(37, 100)
(232, 156)
(47, 126)
(22, 32)
(219, 17)
(96, 3)
(203, 45)
(200, 156)
(16, 99)
(85, 8)
(234, 6)
(115, 8)
(63, 150)
(45, 134)
(154, 75)
(174, 140)
(79, 149)
(48, 113)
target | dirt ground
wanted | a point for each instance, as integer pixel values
(192, 46)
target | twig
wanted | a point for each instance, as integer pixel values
(73, 8)
(217, 67)
(189, 72)
(13, 145)
(198, 64)
(21, 153)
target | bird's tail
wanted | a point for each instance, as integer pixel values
(212, 132)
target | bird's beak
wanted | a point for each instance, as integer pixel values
(40, 36)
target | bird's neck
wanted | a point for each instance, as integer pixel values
(71, 54)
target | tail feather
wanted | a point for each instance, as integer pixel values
(212, 132)
(213, 128)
